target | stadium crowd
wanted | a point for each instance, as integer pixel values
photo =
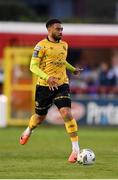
(99, 80)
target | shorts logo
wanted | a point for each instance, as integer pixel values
(36, 103)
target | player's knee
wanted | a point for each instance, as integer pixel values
(66, 114)
(40, 118)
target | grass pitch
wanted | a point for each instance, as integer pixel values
(45, 156)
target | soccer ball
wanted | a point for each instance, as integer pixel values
(86, 157)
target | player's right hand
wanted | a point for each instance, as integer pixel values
(52, 81)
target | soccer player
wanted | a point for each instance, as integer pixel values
(49, 63)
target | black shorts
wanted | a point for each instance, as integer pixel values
(44, 98)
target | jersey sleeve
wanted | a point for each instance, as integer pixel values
(70, 67)
(37, 55)
(38, 51)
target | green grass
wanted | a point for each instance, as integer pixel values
(46, 154)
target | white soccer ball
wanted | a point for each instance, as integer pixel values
(86, 157)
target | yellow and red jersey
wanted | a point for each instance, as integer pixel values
(51, 60)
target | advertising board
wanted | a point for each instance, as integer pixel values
(89, 111)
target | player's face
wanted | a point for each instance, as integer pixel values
(56, 31)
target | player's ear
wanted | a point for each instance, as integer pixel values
(49, 28)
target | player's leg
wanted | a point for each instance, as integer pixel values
(42, 104)
(71, 128)
(63, 102)
(35, 120)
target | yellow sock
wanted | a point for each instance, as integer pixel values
(74, 138)
(33, 123)
(71, 126)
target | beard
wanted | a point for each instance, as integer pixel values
(56, 38)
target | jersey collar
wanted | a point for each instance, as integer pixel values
(52, 41)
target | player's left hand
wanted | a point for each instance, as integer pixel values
(78, 71)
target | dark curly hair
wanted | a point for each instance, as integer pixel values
(51, 22)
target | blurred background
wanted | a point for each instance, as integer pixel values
(90, 29)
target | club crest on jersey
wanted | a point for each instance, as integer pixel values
(51, 48)
(64, 48)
